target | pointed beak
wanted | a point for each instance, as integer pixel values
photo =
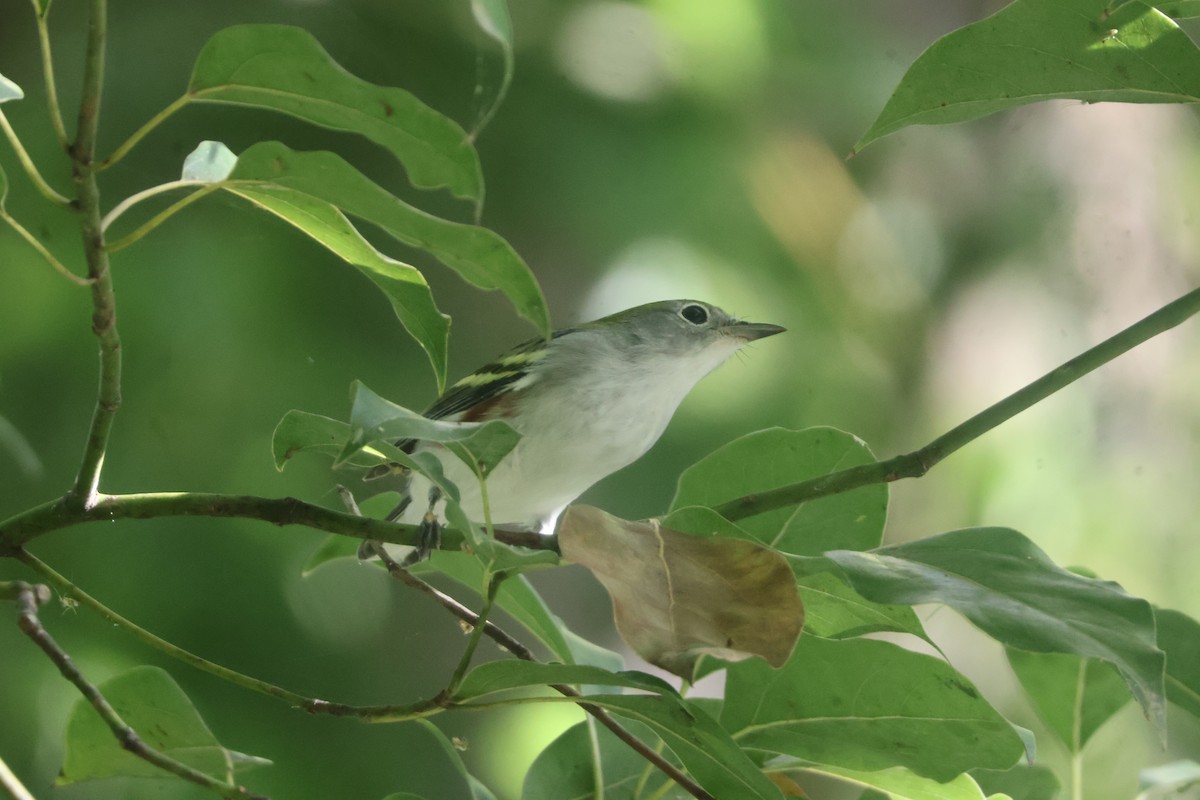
(750, 331)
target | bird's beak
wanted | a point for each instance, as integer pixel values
(749, 331)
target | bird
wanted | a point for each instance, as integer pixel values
(586, 402)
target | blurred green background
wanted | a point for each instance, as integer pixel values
(646, 150)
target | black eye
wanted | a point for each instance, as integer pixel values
(694, 314)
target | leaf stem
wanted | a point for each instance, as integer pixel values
(918, 462)
(161, 217)
(28, 600)
(45, 189)
(56, 118)
(104, 315)
(133, 199)
(477, 629)
(44, 251)
(142, 132)
(12, 784)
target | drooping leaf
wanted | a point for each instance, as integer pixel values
(151, 703)
(1022, 782)
(700, 743)
(403, 285)
(1179, 637)
(493, 19)
(833, 610)
(1035, 50)
(867, 705)
(1074, 695)
(480, 256)
(285, 69)
(499, 676)
(373, 418)
(1013, 592)
(678, 596)
(776, 457)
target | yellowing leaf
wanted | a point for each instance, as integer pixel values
(677, 597)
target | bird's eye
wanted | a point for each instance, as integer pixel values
(694, 314)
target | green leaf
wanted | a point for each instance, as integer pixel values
(151, 703)
(899, 783)
(285, 69)
(499, 676)
(776, 457)
(300, 431)
(1035, 50)
(1179, 9)
(373, 418)
(866, 705)
(1074, 695)
(1179, 637)
(9, 90)
(1013, 592)
(470, 785)
(1022, 782)
(702, 746)
(566, 769)
(1168, 780)
(833, 610)
(480, 256)
(493, 19)
(403, 285)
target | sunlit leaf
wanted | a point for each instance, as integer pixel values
(678, 596)
(1022, 782)
(566, 769)
(899, 783)
(480, 256)
(1013, 592)
(776, 457)
(1035, 50)
(285, 69)
(151, 703)
(1179, 637)
(867, 705)
(1074, 695)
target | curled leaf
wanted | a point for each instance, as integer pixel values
(678, 596)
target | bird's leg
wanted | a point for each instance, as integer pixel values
(429, 531)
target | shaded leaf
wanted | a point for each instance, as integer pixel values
(468, 785)
(1179, 637)
(776, 457)
(1073, 695)
(373, 418)
(480, 256)
(1179, 9)
(300, 431)
(702, 746)
(677, 596)
(9, 90)
(1035, 50)
(493, 19)
(1013, 592)
(867, 705)
(499, 676)
(285, 69)
(833, 610)
(151, 703)
(899, 783)
(1022, 782)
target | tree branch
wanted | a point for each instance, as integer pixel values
(918, 462)
(104, 313)
(28, 598)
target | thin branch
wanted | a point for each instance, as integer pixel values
(56, 118)
(141, 133)
(918, 462)
(133, 199)
(34, 242)
(489, 600)
(62, 513)
(104, 314)
(28, 599)
(160, 217)
(46, 190)
(12, 784)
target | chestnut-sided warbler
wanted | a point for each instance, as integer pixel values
(588, 401)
